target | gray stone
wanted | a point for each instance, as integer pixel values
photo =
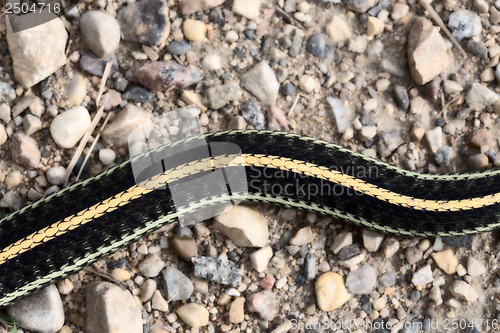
(160, 75)
(361, 6)
(218, 270)
(100, 32)
(41, 312)
(480, 97)
(401, 97)
(94, 65)
(25, 151)
(342, 113)
(252, 113)
(7, 93)
(145, 22)
(11, 200)
(220, 96)
(464, 24)
(151, 266)
(55, 175)
(178, 286)
(178, 47)
(262, 82)
(111, 309)
(316, 45)
(361, 281)
(37, 52)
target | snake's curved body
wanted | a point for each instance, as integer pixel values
(66, 231)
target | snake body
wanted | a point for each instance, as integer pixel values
(68, 230)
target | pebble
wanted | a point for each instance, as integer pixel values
(118, 130)
(77, 89)
(342, 113)
(121, 274)
(220, 96)
(111, 99)
(55, 175)
(244, 226)
(390, 246)
(435, 295)
(372, 240)
(341, 241)
(7, 94)
(31, 124)
(464, 24)
(252, 113)
(185, 247)
(212, 62)
(317, 46)
(178, 47)
(3, 135)
(422, 276)
(475, 267)
(189, 7)
(307, 83)
(193, 314)
(107, 156)
(260, 259)
(24, 151)
(388, 279)
(139, 95)
(463, 291)
(330, 291)
(339, 29)
(158, 302)
(4, 112)
(427, 52)
(37, 52)
(434, 138)
(145, 22)
(100, 32)
(401, 97)
(478, 48)
(178, 286)
(151, 266)
(452, 87)
(497, 73)
(264, 303)
(375, 26)
(302, 237)
(111, 309)
(237, 311)
(160, 75)
(413, 255)
(70, 126)
(367, 133)
(11, 200)
(481, 138)
(267, 283)
(478, 161)
(194, 30)
(200, 285)
(399, 10)
(480, 97)
(362, 281)
(13, 179)
(40, 312)
(446, 260)
(94, 65)
(262, 82)
(218, 270)
(148, 288)
(247, 8)
(361, 6)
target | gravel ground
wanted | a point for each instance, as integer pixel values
(412, 84)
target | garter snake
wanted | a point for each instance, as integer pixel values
(68, 230)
